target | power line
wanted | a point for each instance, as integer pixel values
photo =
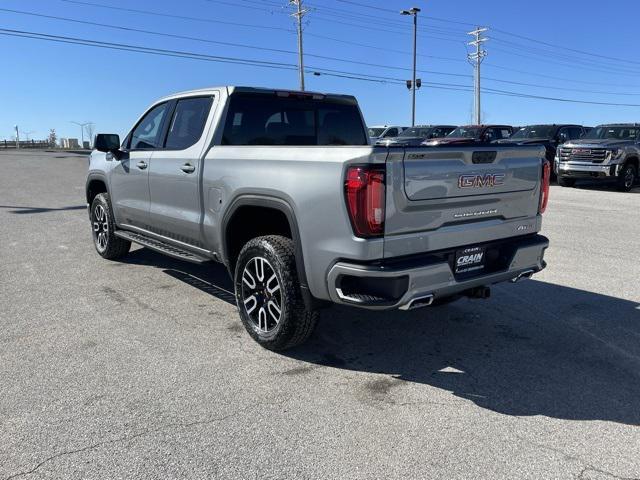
(216, 42)
(210, 20)
(574, 65)
(565, 59)
(564, 47)
(324, 57)
(562, 79)
(172, 16)
(78, 2)
(278, 65)
(393, 11)
(505, 32)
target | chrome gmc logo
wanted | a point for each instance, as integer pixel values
(581, 151)
(481, 181)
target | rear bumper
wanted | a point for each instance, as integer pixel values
(590, 170)
(402, 283)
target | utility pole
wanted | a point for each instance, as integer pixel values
(475, 59)
(299, 14)
(17, 137)
(414, 12)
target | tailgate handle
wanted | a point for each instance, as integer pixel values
(484, 157)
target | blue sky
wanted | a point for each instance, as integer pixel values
(47, 85)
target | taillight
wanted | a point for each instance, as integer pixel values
(544, 189)
(364, 191)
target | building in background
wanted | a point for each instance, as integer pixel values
(69, 143)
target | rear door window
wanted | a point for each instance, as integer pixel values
(272, 120)
(146, 135)
(187, 124)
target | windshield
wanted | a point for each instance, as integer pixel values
(416, 132)
(376, 132)
(535, 131)
(616, 133)
(465, 132)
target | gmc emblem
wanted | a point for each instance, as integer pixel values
(481, 181)
(581, 151)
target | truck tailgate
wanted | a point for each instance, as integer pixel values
(446, 197)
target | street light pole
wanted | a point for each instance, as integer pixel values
(82, 126)
(414, 12)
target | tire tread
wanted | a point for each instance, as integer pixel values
(303, 320)
(116, 247)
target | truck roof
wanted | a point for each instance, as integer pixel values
(240, 89)
(551, 125)
(486, 125)
(434, 125)
(619, 125)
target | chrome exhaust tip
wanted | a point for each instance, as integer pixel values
(418, 302)
(523, 275)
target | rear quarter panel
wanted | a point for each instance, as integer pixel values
(310, 180)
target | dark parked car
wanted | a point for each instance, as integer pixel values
(551, 136)
(473, 134)
(414, 136)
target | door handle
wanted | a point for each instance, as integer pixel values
(188, 168)
(142, 164)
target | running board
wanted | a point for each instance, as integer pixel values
(161, 247)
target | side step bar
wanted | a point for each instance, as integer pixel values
(162, 247)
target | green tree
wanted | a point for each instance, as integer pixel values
(53, 137)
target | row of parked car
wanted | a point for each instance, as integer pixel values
(606, 152)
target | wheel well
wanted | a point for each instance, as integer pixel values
(250, 222)
(634, 161)
(94, 188)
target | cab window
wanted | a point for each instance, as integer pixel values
(188, 122)
(146, 135)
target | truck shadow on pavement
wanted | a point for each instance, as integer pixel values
(534, 348)
(27, 210)
(603, 187)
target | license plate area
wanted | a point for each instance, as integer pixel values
(470, 260)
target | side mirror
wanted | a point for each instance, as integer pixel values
(107, 142)
(562, 138)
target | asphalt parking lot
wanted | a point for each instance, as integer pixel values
(141, 369)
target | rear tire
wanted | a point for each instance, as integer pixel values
(268, 294)
(566, 182)
(103, 229)
(626, 177)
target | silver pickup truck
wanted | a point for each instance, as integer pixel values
(284, 189)
(606, 153)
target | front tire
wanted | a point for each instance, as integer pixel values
(626, 177)
(103, 229)
(268, 294)
(566, 182)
